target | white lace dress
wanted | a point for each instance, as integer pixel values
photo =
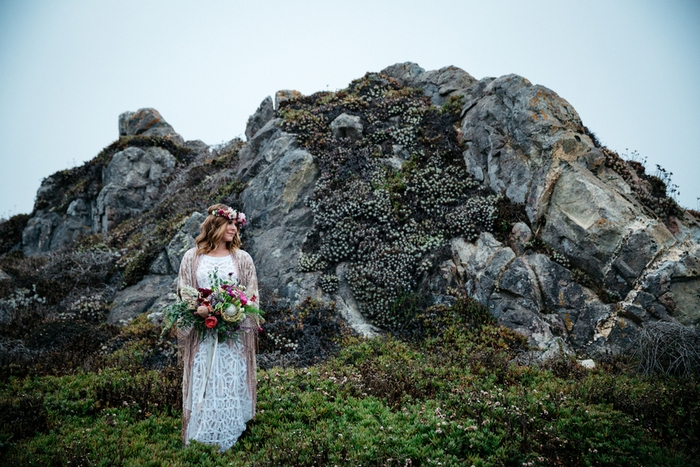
(221, 410)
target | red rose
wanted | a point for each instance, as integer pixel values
(204, 293)
(210, 321)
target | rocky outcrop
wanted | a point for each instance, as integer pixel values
(587, 263)
(47, 231)
(526, 142)
(279, 176)
(132, 184)
(439, 85)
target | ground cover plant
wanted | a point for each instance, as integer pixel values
(455, 395)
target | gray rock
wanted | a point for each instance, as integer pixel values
(4, 276)
(520, 280)
(132, 184)
(587, 363)
(147, 122)
(285, 95)
(161, 265)
(37, 235)
(673, 280)
(278, 219)
(280, 175)
(520, 234)
(183, 240)
(526, 142)
(48, 231)
(264, 114)
(480, 264)
(267, 146)
(139, 298)
(196, 145)
(347, 126)
(156, 314)
(400, 152)
(439, 85)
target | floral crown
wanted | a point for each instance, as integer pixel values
(231, 215)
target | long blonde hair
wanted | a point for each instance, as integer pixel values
(212, 231)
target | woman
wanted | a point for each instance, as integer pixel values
(219, 379)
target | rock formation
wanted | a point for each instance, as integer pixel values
(409, 181)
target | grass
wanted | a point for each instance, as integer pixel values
(454, 396)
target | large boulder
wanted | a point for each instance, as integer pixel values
(140, 298)
(279, 176)
(132, 184)
(147, 122)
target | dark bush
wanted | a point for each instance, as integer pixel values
(301, 336)
(11, 232)
(21, 416)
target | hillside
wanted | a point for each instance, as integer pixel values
(434, 254)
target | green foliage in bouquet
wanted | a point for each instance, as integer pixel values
(225, 303)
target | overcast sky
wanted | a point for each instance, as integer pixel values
(68, 68)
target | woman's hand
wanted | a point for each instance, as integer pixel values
(203, 311)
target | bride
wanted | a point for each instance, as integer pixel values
(219, 381)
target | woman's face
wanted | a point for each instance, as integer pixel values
(231, 230)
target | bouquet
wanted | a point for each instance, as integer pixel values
(225, 304)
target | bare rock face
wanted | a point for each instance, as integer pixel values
(183, 240)
(140, 298)
(264, 114)
(280, 175)
(132, 183)
(589, 265)
(48, 231)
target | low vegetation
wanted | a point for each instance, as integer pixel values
(453, 394)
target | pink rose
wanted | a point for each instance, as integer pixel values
(210, 321)
(243, 298)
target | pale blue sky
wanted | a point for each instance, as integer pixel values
(68, 68)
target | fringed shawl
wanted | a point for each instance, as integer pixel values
(188, 341)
